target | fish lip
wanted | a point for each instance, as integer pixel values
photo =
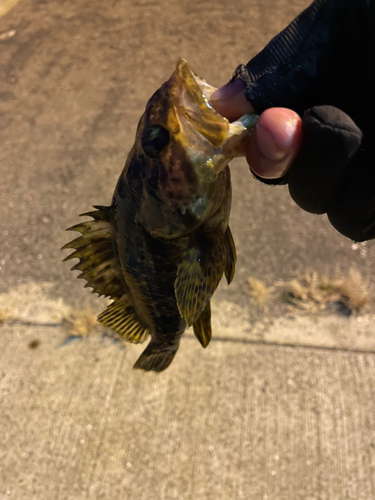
(190, 96)
(183, 68)
(193, 103)
(237, 130)
(205, 89)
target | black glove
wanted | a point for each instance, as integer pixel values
(323, 67)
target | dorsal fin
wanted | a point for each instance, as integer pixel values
(96, 255)
(100, 269)
(121, 317)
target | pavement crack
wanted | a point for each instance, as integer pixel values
(235, 340)
(32, 323)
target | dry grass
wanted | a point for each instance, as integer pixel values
(260, 293)
(313, 293)
(5, 315)
(81, 323)
(355, 290)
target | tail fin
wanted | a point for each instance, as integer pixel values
(156, 357)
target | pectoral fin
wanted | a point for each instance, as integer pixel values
(202, 327)
(199, 274)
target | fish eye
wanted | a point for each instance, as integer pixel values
(154, 140)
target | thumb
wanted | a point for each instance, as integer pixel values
(230, 100)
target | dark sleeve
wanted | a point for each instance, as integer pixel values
(326, 56)
(323, 66)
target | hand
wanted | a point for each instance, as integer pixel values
(315, 166)
(275, 141)
(327, 157)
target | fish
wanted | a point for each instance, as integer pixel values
(160, 249)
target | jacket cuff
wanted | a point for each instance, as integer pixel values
(284, 72)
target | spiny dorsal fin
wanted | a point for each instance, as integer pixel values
(94, 249)
(121, 317)
(202, 327)
(199, 274)
(231, 255)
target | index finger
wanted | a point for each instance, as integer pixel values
(230, 101)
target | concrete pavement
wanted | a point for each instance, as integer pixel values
(276, 408)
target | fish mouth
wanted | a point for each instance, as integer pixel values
(192, 102)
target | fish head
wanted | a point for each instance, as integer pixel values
(185, 144)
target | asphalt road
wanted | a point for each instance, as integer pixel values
(276, 408)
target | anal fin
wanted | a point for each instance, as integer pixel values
(156, 357)
(122, 318)
(202, 327)
(231, 255)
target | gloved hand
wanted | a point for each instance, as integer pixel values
(322, 67)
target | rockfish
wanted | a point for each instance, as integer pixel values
(160, 249)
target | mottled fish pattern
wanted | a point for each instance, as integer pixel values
(161, 248)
